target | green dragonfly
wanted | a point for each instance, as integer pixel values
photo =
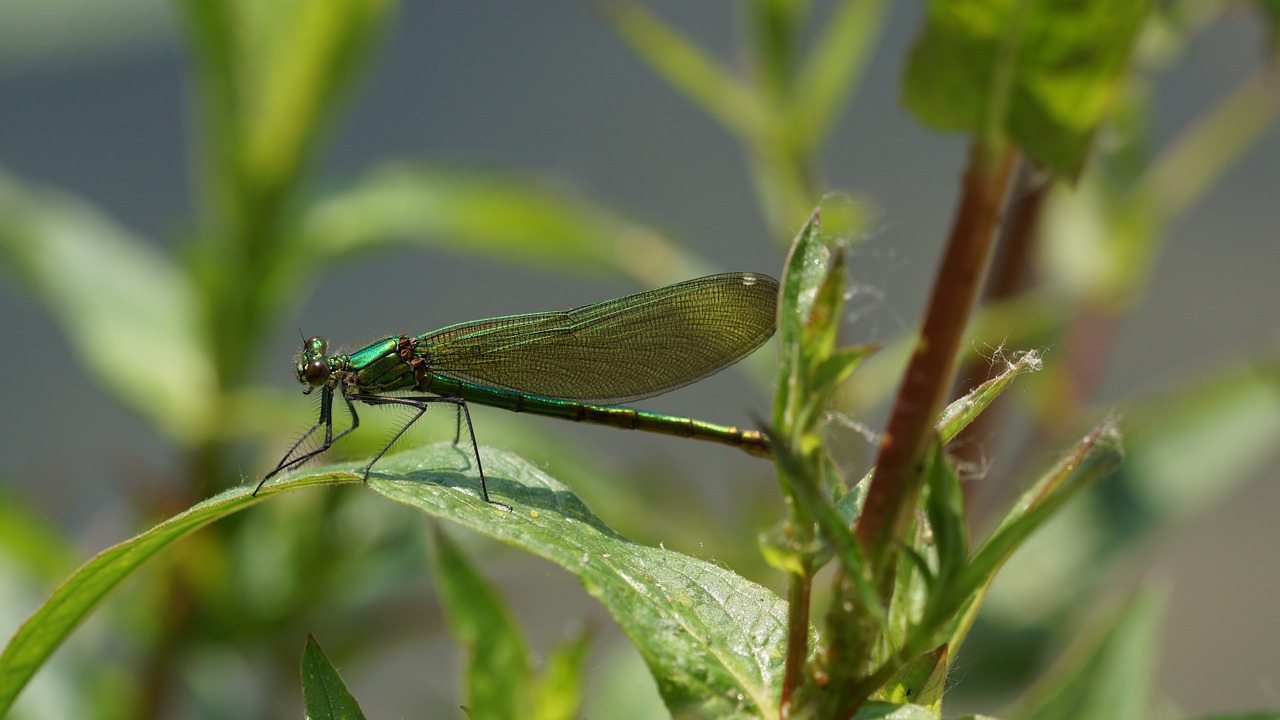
(577, 364)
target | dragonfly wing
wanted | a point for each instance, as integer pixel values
(614, 351)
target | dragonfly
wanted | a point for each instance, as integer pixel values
(582, 364)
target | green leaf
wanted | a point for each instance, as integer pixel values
(1109, 674)
(944, 507)
(1042, 73)
(557, 691)
(687, 67)
(878, 710)
(327, 698)
(959, 413)
(272, 72)
(921, 681)
(125, 309)
(29, 541)
(497, 676)
(72, 601)
(833, 68)
(712, 639)
(1270, 12)
(1096, 456)
(1223, 427)
(499, 215)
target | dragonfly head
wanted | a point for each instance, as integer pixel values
(313, 363)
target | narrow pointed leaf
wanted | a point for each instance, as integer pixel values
(920, 682)
(1109, 674)
(72, 601)
(959, 413)
(688, 67)
(1096, 456)
(832, 71)
(326, 696)
(501, 215)
(557, 690)
(497, 674)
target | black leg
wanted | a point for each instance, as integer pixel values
(422, 402)
(325, 420)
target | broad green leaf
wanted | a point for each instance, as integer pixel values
(497, 677)
(501, 215)
(327, 698)
(557, 690)
(713, 640)
(1042, 73)
(1109, 674)
(125, 309)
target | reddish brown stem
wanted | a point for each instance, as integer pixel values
(924, 388)
(798, 596)
(1011, 273)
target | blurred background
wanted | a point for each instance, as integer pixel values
(97, 101)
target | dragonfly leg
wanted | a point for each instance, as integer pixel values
(325, 420)
(423, 402)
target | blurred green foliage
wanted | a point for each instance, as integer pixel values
(1047, 78)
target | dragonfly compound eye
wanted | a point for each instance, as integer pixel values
(315, 373)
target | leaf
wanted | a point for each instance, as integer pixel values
(72, 601)
(1224, 426)
(497, 676)
(921, 681)
(125, 309)
(494, 214)
(879, 710)
(557, 691)
(1042, 73)
(959, 413)
(1096, 456)
(833, 68)
(28, 542)
(1109, 674)
(327, 698)
(688, 67)
(944, 507)
(272, 72)
(1270, 12)
(713, 640)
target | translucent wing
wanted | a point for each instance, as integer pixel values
(614, 351)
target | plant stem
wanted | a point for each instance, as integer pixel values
(798, 598)
(896, 483)
(1011, 273)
